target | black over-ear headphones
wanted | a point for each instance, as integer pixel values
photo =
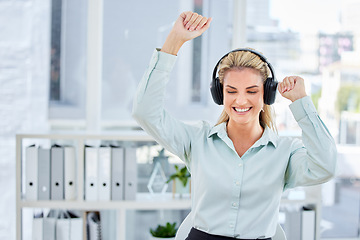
(270, 84)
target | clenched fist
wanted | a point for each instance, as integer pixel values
(188, 25)
(292, 88)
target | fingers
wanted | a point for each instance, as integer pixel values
(287, 84)
(187, 18)
(205, 26)
(193, 21)
(201, 23)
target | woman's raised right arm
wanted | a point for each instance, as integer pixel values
(148, 106)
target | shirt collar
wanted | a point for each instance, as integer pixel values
(219, 129)
(269, 136)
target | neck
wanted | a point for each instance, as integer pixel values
(244, 132)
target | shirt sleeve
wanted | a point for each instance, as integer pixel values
(313, 158)
(149, 112)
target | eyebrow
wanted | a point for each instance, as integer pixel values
(230, 87)
(252, 86)
(246, 88)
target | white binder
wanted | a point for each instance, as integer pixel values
(91, 173)
(31, 173)
(104, 171)
(130, 174)
(308, 224)
(37, 228)
(117, 173)
(57, 172)
(62, 231)
(44, 174)
(70, 184)
(76, 226)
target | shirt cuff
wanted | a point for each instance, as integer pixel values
(162, 61)
(302, 107)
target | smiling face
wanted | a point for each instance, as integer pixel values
(243, 96)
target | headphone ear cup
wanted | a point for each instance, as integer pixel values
(270, 87)
(216, 89)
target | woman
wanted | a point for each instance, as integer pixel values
(239, 167)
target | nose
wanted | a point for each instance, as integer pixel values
(241, 99)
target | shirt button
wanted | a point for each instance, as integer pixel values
(237, 183)
(234, 204)
(231, 225)
(240, 164)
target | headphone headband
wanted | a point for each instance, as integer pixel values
(262, 57)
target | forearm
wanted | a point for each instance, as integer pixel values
(172, 44)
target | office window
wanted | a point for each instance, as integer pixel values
(126, 51)
(197, 57)
(128, 45)
(127, 48)
(68, 59)
(55, 50)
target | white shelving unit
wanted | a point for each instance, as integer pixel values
(143, 201)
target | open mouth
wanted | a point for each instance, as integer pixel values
(242, 110)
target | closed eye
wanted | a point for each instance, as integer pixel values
(231, 92)
(252, 92)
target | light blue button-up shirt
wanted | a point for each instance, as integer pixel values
(231, 195)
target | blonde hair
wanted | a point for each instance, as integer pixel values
(240, 60)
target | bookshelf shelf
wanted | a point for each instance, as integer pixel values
(121, 136)
(144, 201)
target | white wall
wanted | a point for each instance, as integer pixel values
(24, 68)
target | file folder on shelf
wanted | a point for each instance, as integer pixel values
(49, 224)
(91, 173)
(70, 183)
(76, 224)
(57, 172)
(130, 174)
(37, 227)
(104, 171)
(117, 173)
(31, 173)
(62, 227)
(308, 224)
(44, 174)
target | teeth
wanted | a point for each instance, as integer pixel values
(242, 109)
